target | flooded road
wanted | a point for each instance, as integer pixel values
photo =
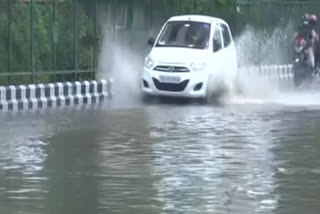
(161, 158)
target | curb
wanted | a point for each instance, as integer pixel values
(51, 95)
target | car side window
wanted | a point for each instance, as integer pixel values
(217, 41)
(226, 35)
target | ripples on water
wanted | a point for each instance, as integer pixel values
(161, 159)
(22, 153)
(221, 166)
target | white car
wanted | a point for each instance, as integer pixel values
(192, 56)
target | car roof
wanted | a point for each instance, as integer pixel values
(197, 18)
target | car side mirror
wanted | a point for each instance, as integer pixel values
(151, 41)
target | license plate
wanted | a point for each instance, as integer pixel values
(170, 79)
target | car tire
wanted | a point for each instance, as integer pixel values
(146, 98)
(214, 95)
(209, 96)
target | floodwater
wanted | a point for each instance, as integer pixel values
(161, 158)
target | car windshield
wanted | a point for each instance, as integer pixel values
(187, 34)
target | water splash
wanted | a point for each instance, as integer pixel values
(122, 65)
(267, 47)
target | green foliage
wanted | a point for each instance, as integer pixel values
(43, 37)
(3, 37)
(44, 32)
(20, 36)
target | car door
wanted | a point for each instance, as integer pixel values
(217, 50)
(228, 50)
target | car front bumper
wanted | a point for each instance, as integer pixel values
(190, 85)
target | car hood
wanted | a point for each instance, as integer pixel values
(165, 55)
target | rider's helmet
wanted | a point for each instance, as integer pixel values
(312, 20)
(305, 19)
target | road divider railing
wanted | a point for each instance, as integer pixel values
(270, 71)
(51, 95)
(278, 74)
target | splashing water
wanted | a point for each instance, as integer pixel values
(267, 47)
(122, 66)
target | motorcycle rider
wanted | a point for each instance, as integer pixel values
(307, 32)
(315, 41)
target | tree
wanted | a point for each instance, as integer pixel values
(44, 35)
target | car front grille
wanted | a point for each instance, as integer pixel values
(173, 69)
(174, 87)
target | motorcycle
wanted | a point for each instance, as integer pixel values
(301, 69)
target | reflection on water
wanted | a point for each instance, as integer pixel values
(22, 157)
(221, 167)
(161, 159)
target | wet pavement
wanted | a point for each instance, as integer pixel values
(161, 158)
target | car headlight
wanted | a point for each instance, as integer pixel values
(198, 66)
(148, 63)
